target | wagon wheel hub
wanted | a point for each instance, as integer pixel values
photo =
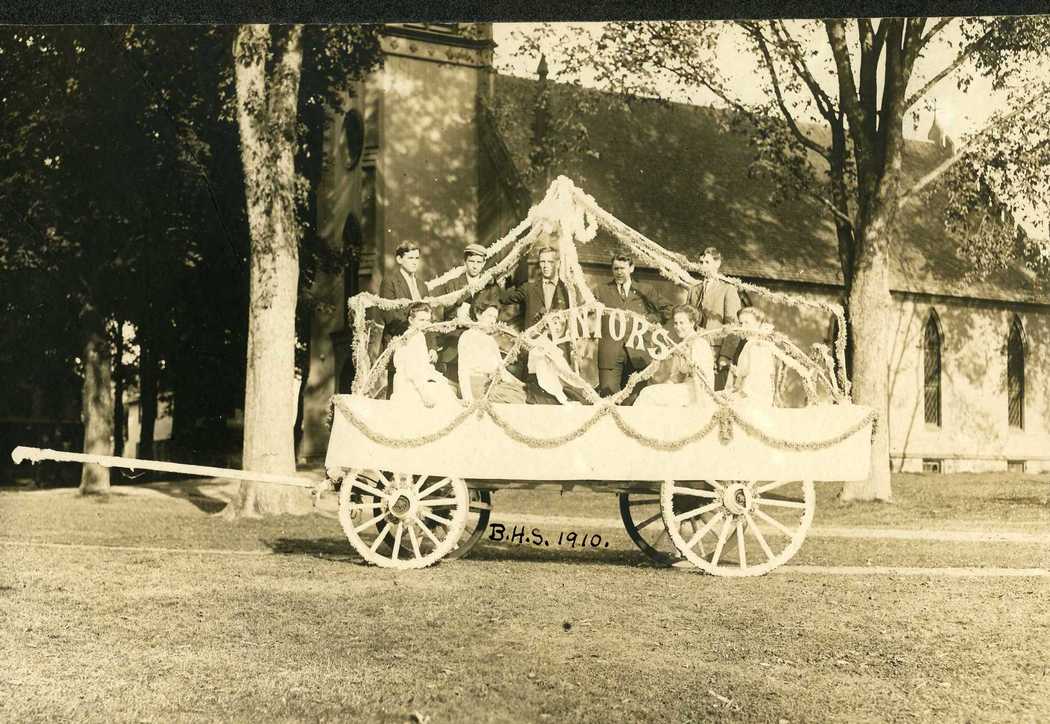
(738, 498)
(401, 505)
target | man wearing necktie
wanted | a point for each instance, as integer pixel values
(617, 360)
(401, 283)
(542, 295)
(718, 304)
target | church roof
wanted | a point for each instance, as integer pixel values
(673, 172)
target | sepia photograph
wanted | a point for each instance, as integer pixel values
(641, 370)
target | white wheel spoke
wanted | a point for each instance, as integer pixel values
(368, 488)
(781, 503)
(437, 502)
(758, 535)
(772, 486)
(695, 492)
(367, 523)
(703, 531)
(722, 535)
(774, 522)
(379, 538)
(415, 541)
(386, 480)
(426, 531)
(432, 488)
(438, 519)
(400, 531)
(419, 482)
(716, 485)
(697, 511)
(740, 543)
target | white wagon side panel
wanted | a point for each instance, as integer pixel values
(479, 448)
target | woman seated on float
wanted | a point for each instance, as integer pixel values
(684, 387)
(415, 377)
(754, 373)
(480, 359)
(549, 368)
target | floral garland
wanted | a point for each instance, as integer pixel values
(723, 417)
(577, 218)
(676, 267)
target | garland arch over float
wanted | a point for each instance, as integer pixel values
(567, 216)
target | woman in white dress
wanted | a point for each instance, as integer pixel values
(549, 370)
(684, 388)
(756, 366)
(415, 377)
(480, 359)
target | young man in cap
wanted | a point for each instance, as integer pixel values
(474, 257)
(718, 304)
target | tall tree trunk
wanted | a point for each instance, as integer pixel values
(97, 403)
(266, 114)
(869, 310)
(147, 396)
(118, 391)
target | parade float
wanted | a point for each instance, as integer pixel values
(724, 485)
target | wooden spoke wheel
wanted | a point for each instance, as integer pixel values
(477, 522)
(398, 520)
(642, 517)
(748, 527)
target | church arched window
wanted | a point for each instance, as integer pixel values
(931, 370)
(1015, 373)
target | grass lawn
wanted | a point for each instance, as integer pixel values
(276, 620)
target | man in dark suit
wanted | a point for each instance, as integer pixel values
(616, 359)
(540, 295)
(719, 305)
(401, 283)
(474, 257)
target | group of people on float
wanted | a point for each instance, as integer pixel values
(430, 367)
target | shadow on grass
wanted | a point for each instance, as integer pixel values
(190, 489)
(316, 547)
(537, 554)
(340, 549)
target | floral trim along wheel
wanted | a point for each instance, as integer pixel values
(402, 521)
(737, 527)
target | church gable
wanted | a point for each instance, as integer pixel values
(675, 173)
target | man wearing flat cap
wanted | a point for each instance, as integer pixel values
(474, 257)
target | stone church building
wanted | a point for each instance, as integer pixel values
(438, 149)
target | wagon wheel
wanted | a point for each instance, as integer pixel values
(399, 520)
(753, 526)
(477, 522)
(642, 517)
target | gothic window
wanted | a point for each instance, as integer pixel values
(931, 366)
(1015, 374)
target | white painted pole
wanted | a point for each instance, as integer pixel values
(33, 455)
